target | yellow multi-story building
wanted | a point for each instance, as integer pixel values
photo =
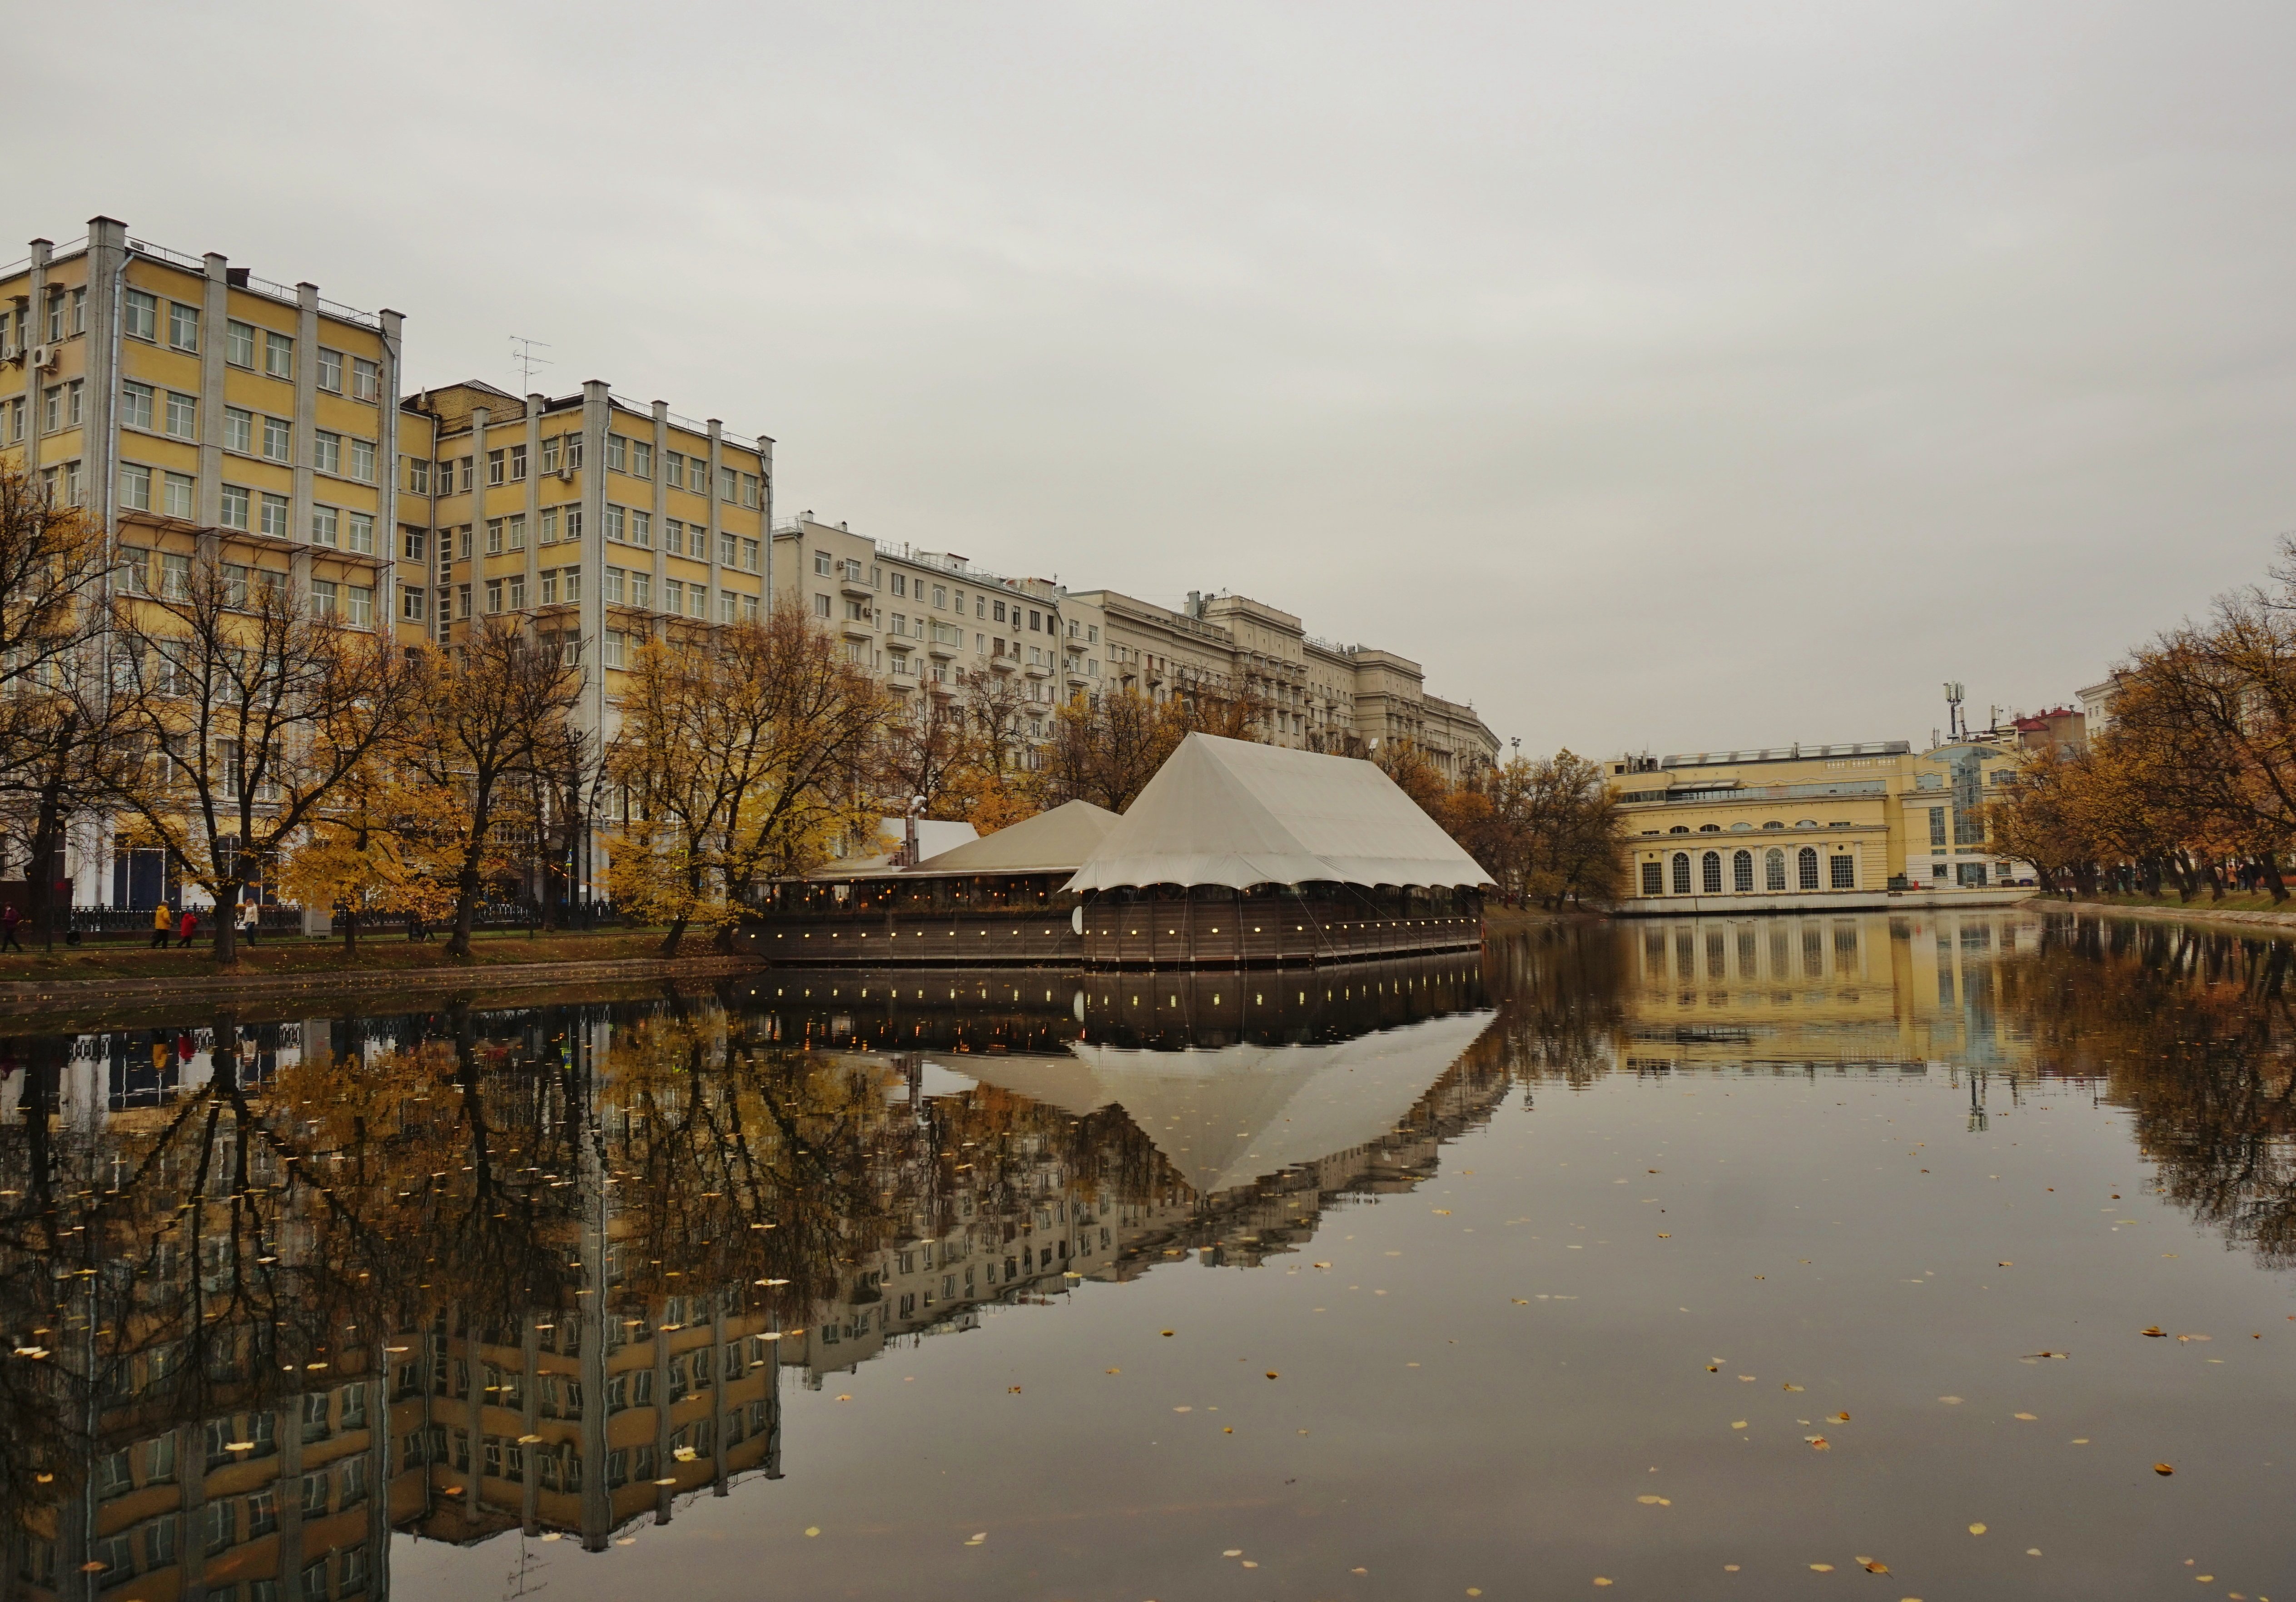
(1798, 826)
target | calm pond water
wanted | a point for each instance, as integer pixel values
(1944, 1256)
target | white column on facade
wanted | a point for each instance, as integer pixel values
(535, 403)
(386, 516)
(42, 250)
(107, 275)
(658, 558)
(716, 458)
(214, 314)
(307, 428)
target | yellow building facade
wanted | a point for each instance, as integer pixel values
(1795, 827)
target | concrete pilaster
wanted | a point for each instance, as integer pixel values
(42, 250)
(307, 430)
(386, 577)
(107, 276)
(214, 311)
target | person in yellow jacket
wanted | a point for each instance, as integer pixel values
(163, 924)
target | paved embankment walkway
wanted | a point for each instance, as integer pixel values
(42, 994)
(2197, 912)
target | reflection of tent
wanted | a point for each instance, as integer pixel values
(1236, 813)
(1227, 1116)
(1051, 842)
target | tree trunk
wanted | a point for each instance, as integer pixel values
(226, 932)
(466, 896)
(2269, 865)
(669, 941)
(350, 931)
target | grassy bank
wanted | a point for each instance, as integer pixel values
(2168, 901)
(294, 956)
(1530, 917)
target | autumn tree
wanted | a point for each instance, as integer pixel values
(248, 715)
(57, 726)
(744, 755)
(487, 722)
(375, 847)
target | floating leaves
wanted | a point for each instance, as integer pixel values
(1873, 1566)
(2154, 1331)
(1838, 1417)
(1818, 1444)
(1653, 1501)
(1737, 1424)
(977, 1538)
(2027, 1418)
(1821, 1568)
(1272, 1375)
(2162, 1470)
(1977, 1529)
(1791, 1386)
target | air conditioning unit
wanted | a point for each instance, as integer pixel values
(48, 359)
(566, 472)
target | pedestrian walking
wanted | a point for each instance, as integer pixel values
(248, 913)
(187, 926)
(11, 920)
(163, 924)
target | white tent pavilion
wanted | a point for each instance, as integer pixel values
(1236, 813)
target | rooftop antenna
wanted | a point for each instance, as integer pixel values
(1955, 729)
(522, 357)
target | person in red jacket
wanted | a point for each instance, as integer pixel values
(187, 926)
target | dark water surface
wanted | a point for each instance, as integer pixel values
(1713, 1259)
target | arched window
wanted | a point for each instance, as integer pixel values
(1709, 873)
(1773, 869)
(1710, 828)
(1680, 828)
(1741, 871)
(1682, 873)
(1773, 824)
(1845, 873)
(1806, 867)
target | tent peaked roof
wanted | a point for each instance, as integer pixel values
(1051, 841)
(1237, 813)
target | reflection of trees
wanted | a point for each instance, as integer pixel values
(1563, 1002)
(2191, 1030)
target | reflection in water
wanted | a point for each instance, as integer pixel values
(277, 1290)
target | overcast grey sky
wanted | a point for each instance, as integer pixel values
(1678, 375)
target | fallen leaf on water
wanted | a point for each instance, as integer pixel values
(1977, 1529)
(1602, 1580)
(1873, 1566)
(1183, 1409)
(2162, 1468)
(1748, 1378)
(2080, 1441)
(1249, 1564)
(1838, 1417)
(1950, 1401)
(2005, 1265)
(975, 1541)
(1713, 1367)
(2055, 1354)
(1358, 1571)
(1737, 1424)
(849, 1398)
(1009, 1391)
(1818, 1444)
(1272, 1375)
(1168, 1332)
(2032, 1551)
(1653, 1501)
(813, 1529)
(2192, 1337)
(1442, 1213)
(683, 1454)
(1232, 1552)
(1662, 1235)
(1821, 1568)
(1729, 1568)
(1323, 1265)
(1791, 1386)
(1518, 1300)
(666, 1480)
(1114, 1371)
(2153, 1330)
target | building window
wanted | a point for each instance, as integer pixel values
(1773, 869)
(612, 649)
(516, 528)
(183, 416)
(1682, 873)
(1709, 873)
(274, 517)
(496, 466)
(518, 464)
(729, 486)
(750, 490)
(550, 448)
(1741, 871)
(549, 591)
(410, 603)
(494, 594)
(367, 379)
(140, 315)
(1844, 873)
(238, 430)
(135, 486)
(363, 461)
(641, 459)
(278, 437)
(183, 326)
(135, 406)
(750, 549)
(617, 453)
(278, 355)
(361, 533)
(239, 343)
(614, 521)
(1936, 825)
(232, 513)
(1654, 879)
(359, 609)
(821, 563)
(821, 606)
(322, 597)
(175, 576)
(327, 452)
(611, 591)
(1806, 867)
(641, 589)
(517, 592)
(331, 370)
(493, 535)
(176, 491)
(418, 477)
(641, 530)
(412, 543)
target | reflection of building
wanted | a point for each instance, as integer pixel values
(1909, 989)
(1815, 826)
(535, 1306)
